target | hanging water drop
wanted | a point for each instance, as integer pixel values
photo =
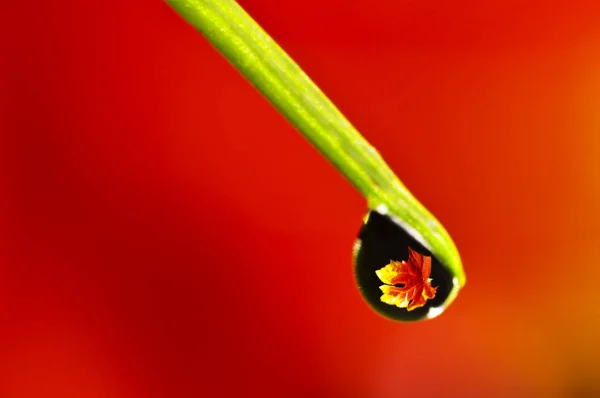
(397, 275)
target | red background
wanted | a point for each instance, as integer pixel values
(166, 233)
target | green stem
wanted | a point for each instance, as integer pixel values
(256, 55)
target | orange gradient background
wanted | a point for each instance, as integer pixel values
(166, 233)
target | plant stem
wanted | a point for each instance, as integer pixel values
(256, 55)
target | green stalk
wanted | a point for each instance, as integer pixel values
(256, 55)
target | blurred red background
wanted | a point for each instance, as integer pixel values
(166, 233)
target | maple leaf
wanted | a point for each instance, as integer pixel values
(413, 275)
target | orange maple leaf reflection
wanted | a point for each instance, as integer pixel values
(413, 275)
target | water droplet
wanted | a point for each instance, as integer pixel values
(382, 240)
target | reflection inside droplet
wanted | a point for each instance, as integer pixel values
(382, 240)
